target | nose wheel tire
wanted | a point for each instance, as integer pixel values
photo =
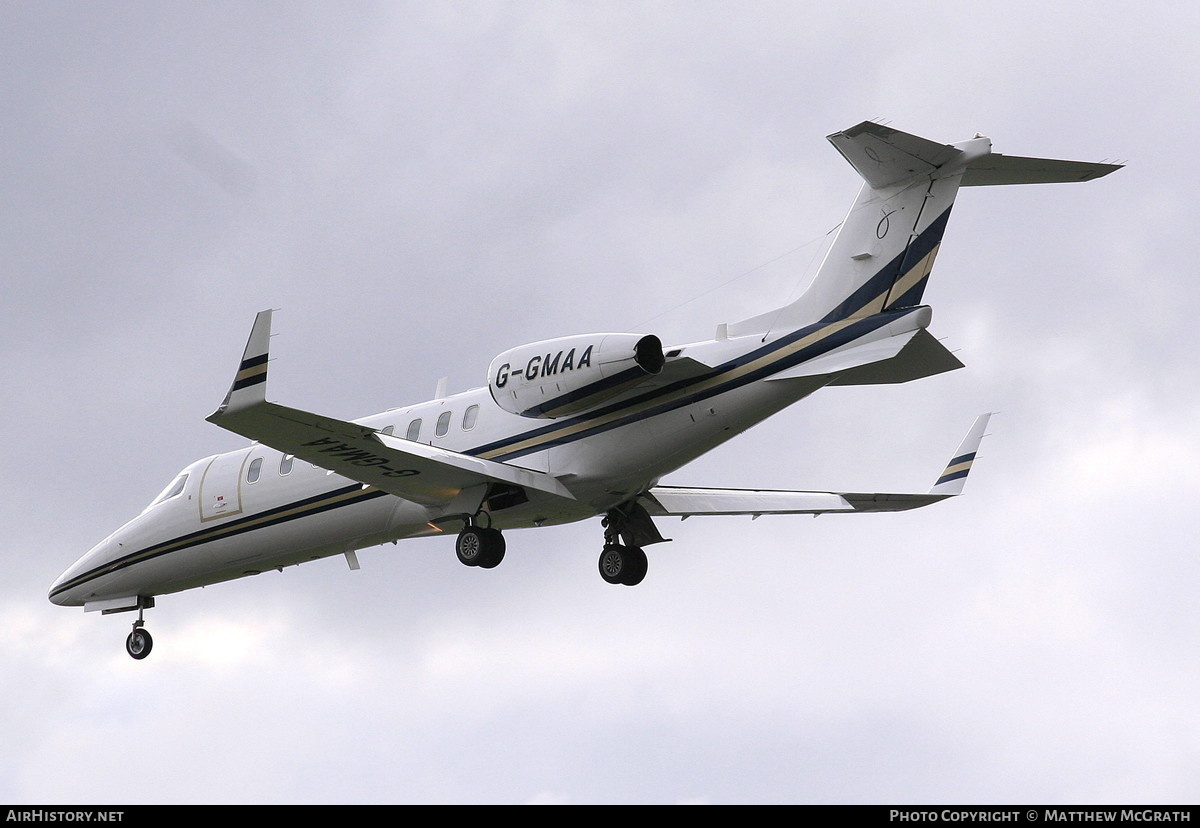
(625, 565)
(139, 643)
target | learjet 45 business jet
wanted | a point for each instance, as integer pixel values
(573, 428)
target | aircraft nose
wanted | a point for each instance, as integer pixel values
(66, 591)
(56, 595)
(59, 594)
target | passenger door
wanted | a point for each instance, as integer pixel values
(221, 486)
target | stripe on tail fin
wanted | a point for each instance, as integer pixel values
(901, 282)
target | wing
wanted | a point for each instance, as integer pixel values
(682, 501)
(417, 472)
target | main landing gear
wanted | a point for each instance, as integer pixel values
(622, 560)
(480, 546)
(627, 528)
(622, 564)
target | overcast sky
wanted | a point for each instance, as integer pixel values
(419, 186)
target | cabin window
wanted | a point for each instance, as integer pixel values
(285, 464)
(443, 424)
(253, 472)
(469, 417)
(390, 429)
(414, 430)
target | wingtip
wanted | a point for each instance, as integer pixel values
(954, 477)
(250, 382)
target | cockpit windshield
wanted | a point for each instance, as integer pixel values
(174, 490)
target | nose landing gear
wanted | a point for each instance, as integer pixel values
(139, 642)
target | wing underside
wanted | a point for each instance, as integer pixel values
(681, 501)
(684, 501)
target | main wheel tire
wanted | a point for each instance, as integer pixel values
(635, 566)
(493, 548)
(614, 563)
(139, 643)
(470, 545)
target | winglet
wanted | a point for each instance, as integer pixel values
(954, 477)
(250, 383)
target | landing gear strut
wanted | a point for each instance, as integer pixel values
(139, 642)
(480, 546)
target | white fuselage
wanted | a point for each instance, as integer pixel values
(254, 509)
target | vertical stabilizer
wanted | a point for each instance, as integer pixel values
(884, 251)
(883, 254)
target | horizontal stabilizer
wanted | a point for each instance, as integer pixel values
(885, 156)
(847, 358)
(900, 351)
(922, 356)
(996, 169)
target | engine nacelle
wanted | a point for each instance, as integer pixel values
(573, 374)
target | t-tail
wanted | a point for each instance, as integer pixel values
(883, 254)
